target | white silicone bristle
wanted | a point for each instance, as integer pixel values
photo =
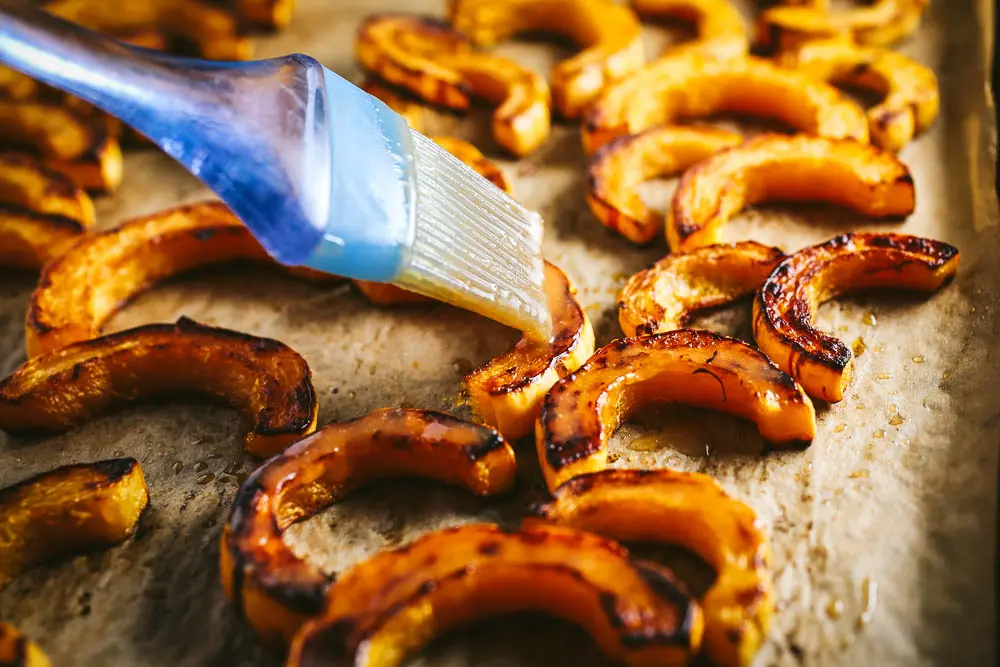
(475, 246)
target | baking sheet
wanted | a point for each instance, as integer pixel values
(883, 530)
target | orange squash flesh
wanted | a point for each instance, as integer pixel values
(694, 85)
(386, 608)
(784, 305)
(17, 86)
(882, 23)
(689, 367)
(31, 240)
(721, 29)
(507, 391)
(779, 168)
(27, 183)
(277, 590)
(665, 297)
(16, 650)
(692, 511)
(265, 379)
(265, 14)
(609, 34)
(439, 65)
(618, 167)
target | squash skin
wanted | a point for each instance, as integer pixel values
(783, 307)
(883, 23)
(276, 590)
(693, 511)
(609, 34)
(776, 168)
(666, 296)
(690, 367)
(618, 167)
(16, 650)
(721, 29)
(693, 85)
(439, 65)
(391, 605)
(912, 100)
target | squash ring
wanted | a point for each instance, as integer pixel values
(783, 308)
(722, 30)
(266, 379)
(697, 368)
(883, 23)
(508, 390)
(85, 286)
(665, 297)
(609, 34)
(770, 168)
(691, 84)
(693, 511)
(620, 165)
(438, 65)
(16, 650)
(911, 103)
(394, 603)
(276, 589)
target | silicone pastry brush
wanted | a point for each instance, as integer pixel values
(322, 173)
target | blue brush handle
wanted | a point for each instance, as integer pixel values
(319, 171)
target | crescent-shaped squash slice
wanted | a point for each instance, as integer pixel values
(689, 367)
(78, 292)
(720, 27)
(780, 168)
(691, 84)
(16, 650)
(619, 166)
(276, 589)
(665, 297)
(26, 182)
(17, 86)
(31, 240)
(910, 103)
(882, 23)
(609, 34)
(265, 379)
(783, 308)
(692, 511)
(390, 606)
(265, 14)
(439, 65)
(507, 391)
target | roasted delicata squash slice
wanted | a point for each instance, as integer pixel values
(911, 100)
(85, 286)
(265, 13)
(692, 511)
(17, 650)
(621, 165)
(507, 391)
(69, 510)
(781, 168)
(666, 296)
(691, 84)
(439, 65)
(720, 27)
(390, 606)
(30, 240)
(264, 378)
(697, 368)
(17, 86)
(783, 308)
(882, 23)
(609, 34)
(276, 589)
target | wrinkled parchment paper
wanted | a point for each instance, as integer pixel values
(883, 530)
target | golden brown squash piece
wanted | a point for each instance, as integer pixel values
(16, 650)
(390, 606)
(439, 65)
(665, 297)
(691, 84)
(783, 308)
(720, 27)
(265, 13)
(17, 86)
(507, 391)
(265, 379)
(85, 286)
(697, 368)
(692, 511)
(609, 34)
(31, 240)
(277, 590)
(911, 100)
(781, 168)
(69, 510)
(619, 166)
(882, 23)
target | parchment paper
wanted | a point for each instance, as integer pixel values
(883, 530)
